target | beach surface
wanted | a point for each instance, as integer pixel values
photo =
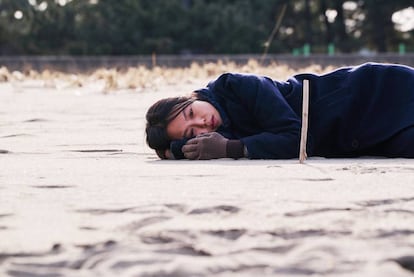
(82, 195)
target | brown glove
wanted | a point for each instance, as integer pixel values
(212, 146)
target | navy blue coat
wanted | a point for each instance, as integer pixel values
(351, 110)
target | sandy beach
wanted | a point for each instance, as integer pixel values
(82, 195)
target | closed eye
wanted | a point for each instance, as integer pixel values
(188, 114)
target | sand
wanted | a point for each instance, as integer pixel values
(82, 195)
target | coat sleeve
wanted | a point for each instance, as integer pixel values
(274, 127)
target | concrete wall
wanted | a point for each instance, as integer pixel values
(87, 63)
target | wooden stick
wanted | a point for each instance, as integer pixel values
(304, 131)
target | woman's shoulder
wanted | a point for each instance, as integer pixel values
(238, 78)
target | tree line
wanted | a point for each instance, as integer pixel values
(135, 27)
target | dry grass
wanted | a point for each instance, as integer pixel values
(143, 78)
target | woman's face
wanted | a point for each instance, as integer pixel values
(197, 118)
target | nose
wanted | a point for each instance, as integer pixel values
(200, 126)
(199, 122)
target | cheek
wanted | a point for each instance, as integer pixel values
(200, 131)
(173, 130)
(197, 131)
(214, 111)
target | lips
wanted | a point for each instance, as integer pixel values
(213, 123)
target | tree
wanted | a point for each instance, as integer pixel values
(128, 27)
(378, 27)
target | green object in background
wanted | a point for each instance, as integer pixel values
(331, 49)
(306, 49)
(401, 48)
(295, 52)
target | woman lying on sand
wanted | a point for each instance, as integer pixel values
(364, 110)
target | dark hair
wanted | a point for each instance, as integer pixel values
(159, 115)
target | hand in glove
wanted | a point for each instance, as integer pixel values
(212, 146)
(205, 147)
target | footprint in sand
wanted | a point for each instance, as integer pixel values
(406, 262)
(380, 202)
(97, 150)
(136, 225)
(53, 186)
(216, 209)
(317, 211)
(35, 120)
(16, 135)
(231, 234)
(106, 211)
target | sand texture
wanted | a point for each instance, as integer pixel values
(82, 195)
